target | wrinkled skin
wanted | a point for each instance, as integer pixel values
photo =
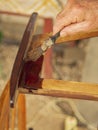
(77, 16)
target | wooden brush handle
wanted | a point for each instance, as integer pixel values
(77, 36)
(38, 39)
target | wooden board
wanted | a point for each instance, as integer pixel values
(60, 88)
(21, 108)
(4, 108)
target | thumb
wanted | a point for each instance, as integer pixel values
(75, 28)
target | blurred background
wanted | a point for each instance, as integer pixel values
(75, 61)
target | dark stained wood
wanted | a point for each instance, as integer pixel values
(31, 73)
(19, 62)
(67, 89)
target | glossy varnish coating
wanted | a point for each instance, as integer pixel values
(31, 73)
(19, 61)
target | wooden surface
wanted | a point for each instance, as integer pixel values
(19, 113)
(78, 36)
(19, 62)
(7, 122)
(7, 114)
(70, 38)
(4, 108)
(68, 89)
(21, 107)
(13, 117)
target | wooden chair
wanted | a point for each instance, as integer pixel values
(23, 83)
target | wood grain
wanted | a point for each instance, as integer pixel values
(13, 117)
(4, 108)
(21, 107)
(19, 62)
(78, 36)
(67, 89)
(7, 123)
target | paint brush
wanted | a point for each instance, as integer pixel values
(34, 55)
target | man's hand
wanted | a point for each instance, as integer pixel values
(77, 16)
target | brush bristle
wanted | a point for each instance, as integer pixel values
(36, 53)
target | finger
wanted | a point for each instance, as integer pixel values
(62, 13)
(60, 24)
(73, 15)
(68, 4)
(61, 19)
(68, 16)
(75, 28)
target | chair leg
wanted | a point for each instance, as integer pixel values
(4, 109)
(7, 123)
(21, 112)
(13, 117)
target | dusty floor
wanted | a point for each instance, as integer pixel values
(77, 63)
